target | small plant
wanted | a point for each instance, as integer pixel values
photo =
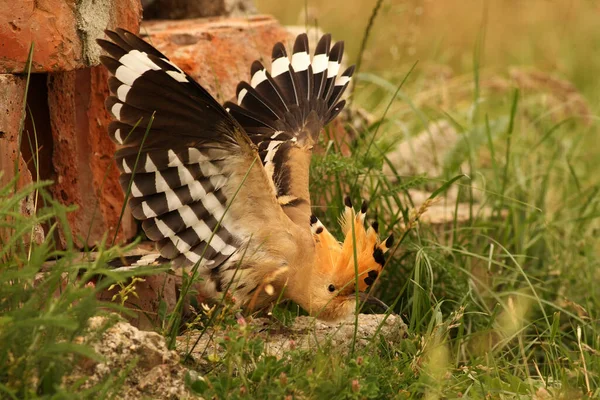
(45, 299)
(126, 290)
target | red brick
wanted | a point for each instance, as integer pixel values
(55, 28)
(12, 95)
(82, 155)
(217, 52)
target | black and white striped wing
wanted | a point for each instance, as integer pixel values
(182, 155)
(288, 106)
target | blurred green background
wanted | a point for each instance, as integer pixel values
(467, 49)
(560, 36)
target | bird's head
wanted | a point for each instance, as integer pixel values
(332, 289)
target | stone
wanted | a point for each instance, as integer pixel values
(424, 153)
(82, 157)
(63, 32)
(304, 333)
(151, 369)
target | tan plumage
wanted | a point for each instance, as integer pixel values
(228, 190)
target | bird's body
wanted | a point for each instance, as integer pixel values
(226, 188)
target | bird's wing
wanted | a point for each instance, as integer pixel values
(284, 110)
(196, 180)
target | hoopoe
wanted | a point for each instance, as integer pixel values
(226, 188)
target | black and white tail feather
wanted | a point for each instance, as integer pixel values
(184, 156)
(289, 105)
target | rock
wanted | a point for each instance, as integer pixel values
(423, 153)
(82, 157)
(305, 333)
(185, 9)
(151, 369)
(70, 124)
(63, 32)
(561, 97)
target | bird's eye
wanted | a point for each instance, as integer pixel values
(331, 288)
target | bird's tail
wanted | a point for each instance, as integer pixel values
(297, 97)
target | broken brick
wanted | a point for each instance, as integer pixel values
(217, 52)
(63, 33)
(13, 163)
(85, 174)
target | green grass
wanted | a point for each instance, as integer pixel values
(49, 292)
(498, 306)
(44, 312)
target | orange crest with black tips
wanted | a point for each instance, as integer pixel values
(337, 258)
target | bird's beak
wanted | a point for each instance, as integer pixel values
(367, 299)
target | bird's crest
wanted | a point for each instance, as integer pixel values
(337, 258)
